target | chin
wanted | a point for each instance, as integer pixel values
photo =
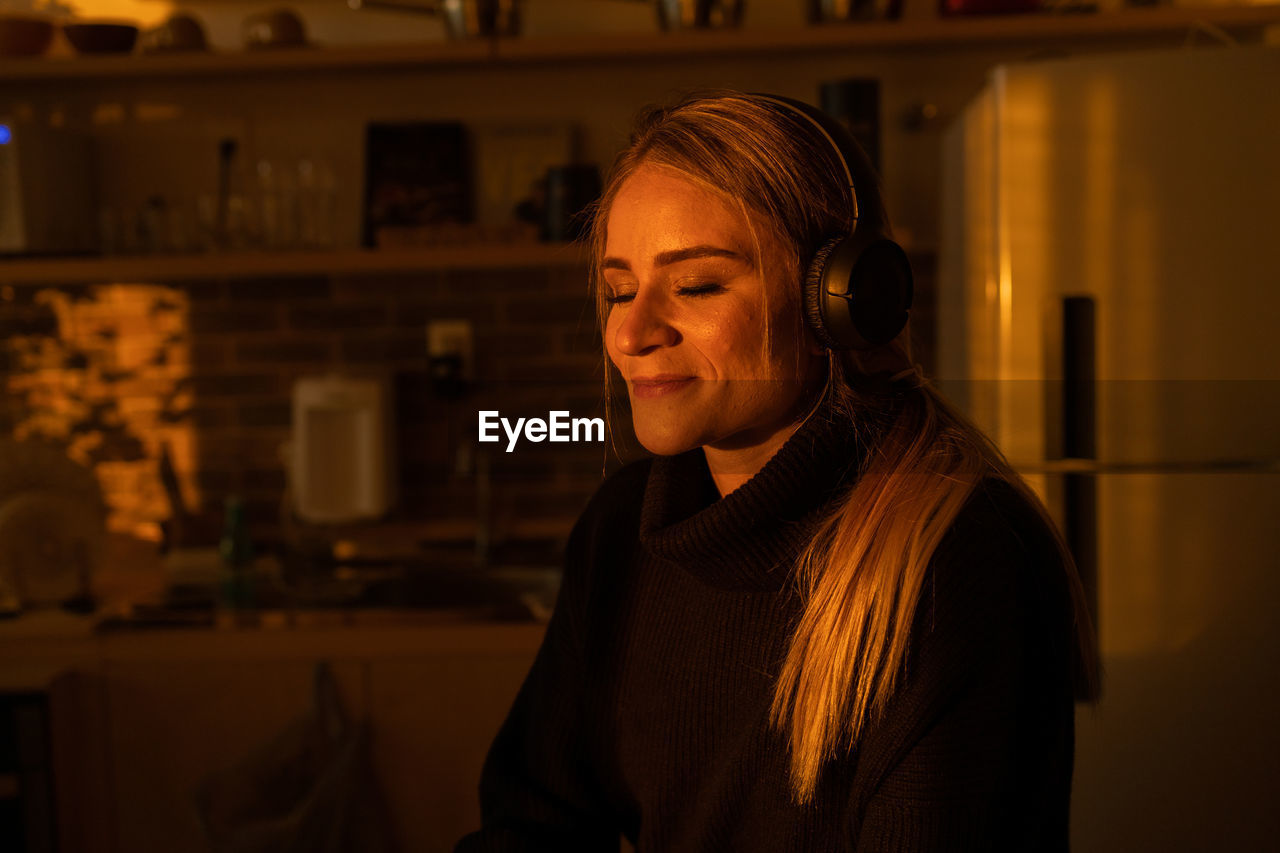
(664, 440)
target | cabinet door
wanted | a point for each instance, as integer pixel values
(170, 724)
(433, 721)
(81, 762)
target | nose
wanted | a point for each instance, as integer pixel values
(645, 326)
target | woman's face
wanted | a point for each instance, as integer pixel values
(690, 301)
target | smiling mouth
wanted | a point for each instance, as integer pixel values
(658, 386)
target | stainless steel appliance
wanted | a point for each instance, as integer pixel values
(47, 198)
(1110, 296)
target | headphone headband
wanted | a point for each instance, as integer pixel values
(807, 112)
(858, 286)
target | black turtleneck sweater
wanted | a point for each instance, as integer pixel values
(646, 710)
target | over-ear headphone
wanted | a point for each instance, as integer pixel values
(858, 286)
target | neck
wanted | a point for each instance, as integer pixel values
(733, 463)
(730, 468)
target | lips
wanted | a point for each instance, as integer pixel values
(649, 387)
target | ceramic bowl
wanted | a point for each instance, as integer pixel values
(22, 35)
(88, 37)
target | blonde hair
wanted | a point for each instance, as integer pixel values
(860, 577)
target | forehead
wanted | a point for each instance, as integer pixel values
(657, 208)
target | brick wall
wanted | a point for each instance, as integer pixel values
(207, 367)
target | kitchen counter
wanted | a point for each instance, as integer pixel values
(165, 685)
(37, 647)
(139, 717)
(175, 607)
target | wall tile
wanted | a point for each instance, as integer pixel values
(222, 357)
(239, 318)
(281, 350)
(338, 317)
(288, 289)
(234, 384)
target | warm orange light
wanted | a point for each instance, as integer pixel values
(109, 383)
(144, 14)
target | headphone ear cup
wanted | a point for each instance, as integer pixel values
(883, 289)
(857, 292)
(815, 293)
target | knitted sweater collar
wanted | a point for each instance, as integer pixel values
(748, 540)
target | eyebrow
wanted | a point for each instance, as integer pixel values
(663, 259)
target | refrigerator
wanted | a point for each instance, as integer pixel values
(1109, 312)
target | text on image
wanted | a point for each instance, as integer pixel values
(558, 427)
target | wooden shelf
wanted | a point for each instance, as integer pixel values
(167, 268)
(957, 32)
(247, 62)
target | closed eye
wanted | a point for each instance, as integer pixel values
(705, 288)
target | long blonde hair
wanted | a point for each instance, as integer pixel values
(860, 577)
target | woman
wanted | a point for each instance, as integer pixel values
(826, 615)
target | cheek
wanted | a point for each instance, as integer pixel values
(733, 342)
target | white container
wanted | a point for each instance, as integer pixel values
(343, 466)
